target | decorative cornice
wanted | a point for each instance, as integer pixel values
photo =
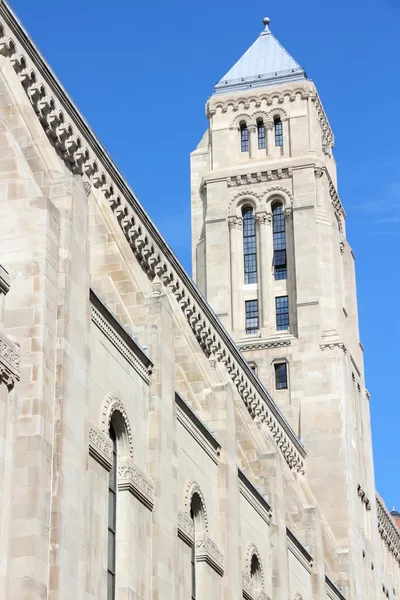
(207, 551)
(131, 478)
(254, 497)
(257, 101)
(353, 362)
(332, 345)
(328, 140)
(4, 281)
(185, 528)
(247, 587)
(387, 528)
(9, 362)
(120, 338)
(298, 550)
(260, 345)
(197, 429)
(332, 590)
(100, 447)
(258, 177)
(364, 498)
(83, 153)
(334, 196)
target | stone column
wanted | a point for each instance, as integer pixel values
(265, 282)
(252, 140)
(236, 268)
(269, 127)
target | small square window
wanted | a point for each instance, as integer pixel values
(281, 382)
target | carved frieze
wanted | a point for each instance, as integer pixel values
(387, 528)
(131, 478)
(207, 551)
(259, 177)
(100, 447)
(9, 362)
(185, 528)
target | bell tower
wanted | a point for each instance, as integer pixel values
(270, 254)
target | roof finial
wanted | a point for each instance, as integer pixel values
(266, 21)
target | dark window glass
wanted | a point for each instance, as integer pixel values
(278, 229)
(251, 308)
(281, 376)
(244, 138)
(112, 504)
(249, 246)
(282, 312)
(193, 558)
(278, 132)
(261, 135)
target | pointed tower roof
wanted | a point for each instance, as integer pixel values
(266, 62)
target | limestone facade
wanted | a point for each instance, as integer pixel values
(141, 457)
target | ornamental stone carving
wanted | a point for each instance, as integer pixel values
(207, 551)
(131, 478)
(100, 447)
(251, 551)
(191, 488)
(185, 528)
(112, 404)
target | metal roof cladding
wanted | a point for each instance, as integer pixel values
(266, 62)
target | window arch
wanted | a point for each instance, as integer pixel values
(279, 236)
(278, 131)
(112, 514)
(197, 516)
(261, 134)
(244, 137)
(249, 245)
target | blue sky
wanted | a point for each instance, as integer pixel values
(141, 73)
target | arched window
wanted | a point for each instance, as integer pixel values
(279, 233)
(112, 513)
(261, 135)
(197, 516)
(278, 131)
(244, 137)
(249, 246)
(255, 572)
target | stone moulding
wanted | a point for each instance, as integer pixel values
(247, 587)
(197, 429)
(84, 155)
(185, 528)
(120, 338)
(131, 478)
(9, 362)
(332, 591)
(260, 177)
(298, 550)
(100, 447)
(388, 529)
(207, 551)
(264, 344)
(254, 497)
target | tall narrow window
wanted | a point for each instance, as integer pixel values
(278, 229)
(197, 515)
(193, 557)
(255, 574)
(261, 135)
(112, 513)
(251, 308)
(282, 312)
(278, 132)
(249, 246)
(244, 137)
(280, 376)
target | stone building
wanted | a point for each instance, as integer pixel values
(142, 455)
